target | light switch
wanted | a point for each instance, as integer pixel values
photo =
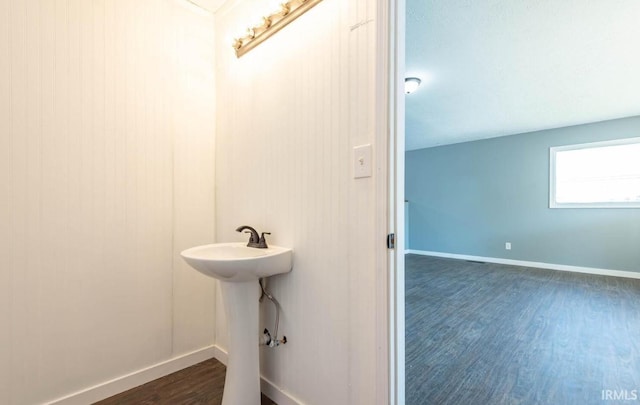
(362, 161)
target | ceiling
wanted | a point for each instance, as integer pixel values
(500, 67)
(209, 5)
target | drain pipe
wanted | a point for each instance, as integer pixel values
(267, 339)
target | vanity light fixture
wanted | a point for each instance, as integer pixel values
(271, 24)
(411, 84)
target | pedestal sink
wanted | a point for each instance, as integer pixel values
(238, 268)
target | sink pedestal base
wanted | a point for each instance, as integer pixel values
(242, 382)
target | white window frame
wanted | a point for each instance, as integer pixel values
(552, 175)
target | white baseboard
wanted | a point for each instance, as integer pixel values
(540, 265)
(268, 388)
(277, 395)
(220, 354)
(117, 385)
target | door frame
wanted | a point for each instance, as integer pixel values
(390, 138)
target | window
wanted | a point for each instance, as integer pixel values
(596, 175)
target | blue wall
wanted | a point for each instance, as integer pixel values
(471, 198)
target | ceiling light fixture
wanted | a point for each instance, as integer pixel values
(411, 84)
(271, 24)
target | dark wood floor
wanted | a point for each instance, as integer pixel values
(496, 334)
(197, 385)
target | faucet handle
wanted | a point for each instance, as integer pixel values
(251, 238)
(263, 242)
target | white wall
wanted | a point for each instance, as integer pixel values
(106, 162)
(289, 113)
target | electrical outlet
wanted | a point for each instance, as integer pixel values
(507, 245)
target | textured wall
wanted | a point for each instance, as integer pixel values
(106, 171)
(289, 113)
(471, 198)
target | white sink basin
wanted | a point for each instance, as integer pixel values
(236, 262)
(238, 267)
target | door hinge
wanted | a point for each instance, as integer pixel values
(391, 241)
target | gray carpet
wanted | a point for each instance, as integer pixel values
(490, 334)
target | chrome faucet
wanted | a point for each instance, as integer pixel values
(255, 241)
